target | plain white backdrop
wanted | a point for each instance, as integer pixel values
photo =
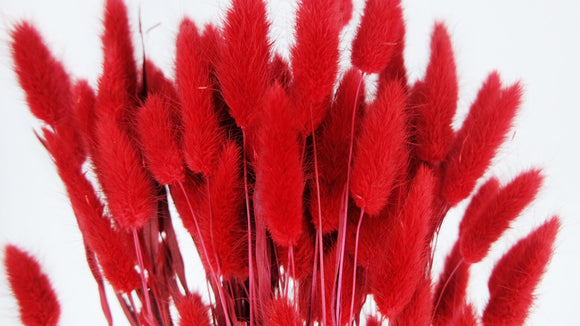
(537, 42)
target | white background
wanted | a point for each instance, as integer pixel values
(537, 42)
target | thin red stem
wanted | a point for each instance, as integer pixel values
(215, 255)
(211, 304)
(148, 309)
(319, 231)
(129, 309)
(204, 251)
(314, 279)
(441, 212)
(250, 259)
(293, 273)
(346, 195)
(287, 272)
(92, 261)
(360, 219)
(445, 286)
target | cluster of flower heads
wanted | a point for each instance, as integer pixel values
(304, 198)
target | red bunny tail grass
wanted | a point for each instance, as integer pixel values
(226, 196)
(41, 76)
(379, 150)
(65, 146)
(243, 69)
(117, 257)
(118, 83)
(514, 278)
(279, 171)
(451, 289)
(373, 321)
(345, 9)
(401, 265)
(466, 317)
(280, 312)
(380, 30)
(36, 298)
(483, 131)
(486, 193)
(418, 310)
(192, 311)
(482, 230)
(281, 71)
(129, 189)
(202, 135)
(332, 152)
(314, 60)
(212, 39)
(395, 69)
(84, 114)
(156, 83)
(439, 100)
(237, 109)
(159, 139)
(127, 185)
(113, 248)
